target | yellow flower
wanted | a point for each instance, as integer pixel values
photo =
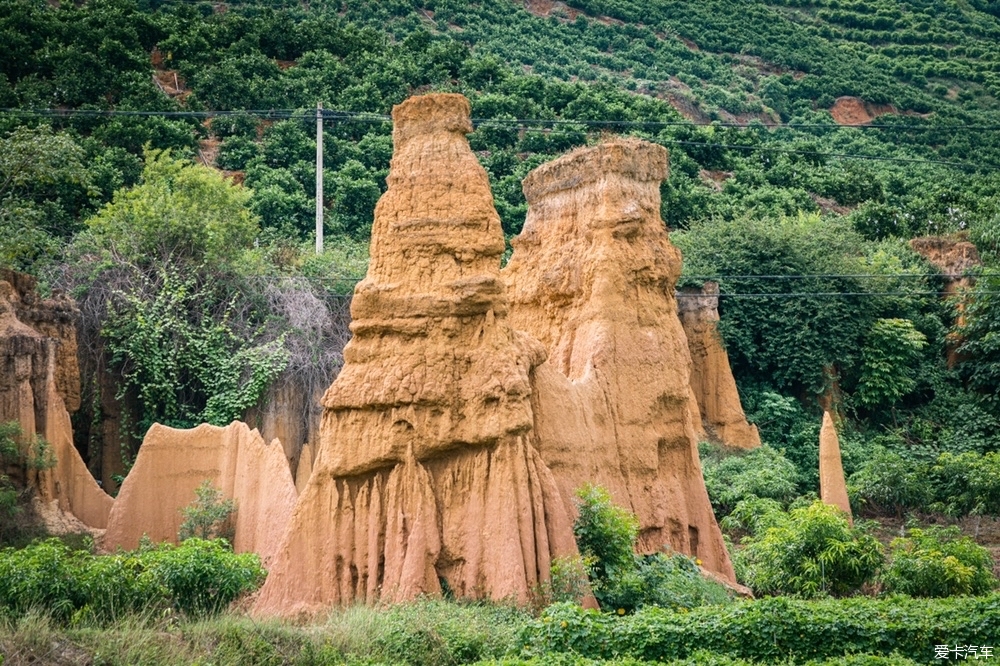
(621, 611)
(697, 561)
(563, 624)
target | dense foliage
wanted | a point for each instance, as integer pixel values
(623, 581)
(195, 578)
(770, 630)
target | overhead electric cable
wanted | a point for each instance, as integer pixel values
(352, 117)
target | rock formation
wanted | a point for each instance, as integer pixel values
(954, 257)
(172, 463)
(39, 382)
(832, 487)
(592, 276)
(304, 468)
(712, 379)
(425, 472)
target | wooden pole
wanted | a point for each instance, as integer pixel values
(319, 178)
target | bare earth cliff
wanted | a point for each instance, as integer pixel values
(592, 276)
(39, 384)
(712, 381)
(172, 463)
(425, 470)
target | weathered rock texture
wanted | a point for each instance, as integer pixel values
(832, 486)
(953, 257)
(712, 379)
(172, 463)
(304, 468)
(425, 469)
(592, 276)
(39, 381)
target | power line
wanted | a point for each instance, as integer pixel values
(353, 117)
(522, 123)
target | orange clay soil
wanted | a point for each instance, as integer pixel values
(39, 376)
(172, 463)
(832, 487)
(592, 277)
(712, 381)
(425, 471)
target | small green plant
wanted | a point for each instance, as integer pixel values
(623, 581)
(568, 580)
(209, 516)
(606, 533)
(810, 551)
(936, 562)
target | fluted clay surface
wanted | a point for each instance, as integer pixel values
(38, 376)
(712, 379)
(172, 463)
(425, 471)
(832, 486)
(592, 277)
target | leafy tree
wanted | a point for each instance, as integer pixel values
(811, 552)
(790, 346)
(208, 517)
(179, 212)
(937, 562)
(889, 357)
(43, 185)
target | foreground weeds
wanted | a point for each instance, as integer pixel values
(422, 633)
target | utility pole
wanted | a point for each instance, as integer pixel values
(319, 178)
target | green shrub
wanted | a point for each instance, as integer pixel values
(208, 517)
(623, 581)
(760, 472)
(45, 576)
(771, 631)
(890, 483)
(936, 562)
(203, 577)
(812, 551)
(196, 578)
(604, 532)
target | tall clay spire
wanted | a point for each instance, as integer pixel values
(832, 487)
(425, 472)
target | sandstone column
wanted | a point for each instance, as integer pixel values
(711, 376)
(832, 486)
(592, 276)
(425, 474)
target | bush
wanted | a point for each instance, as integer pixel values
(196, 578)
(606, 533)
(208, 517)
(623, 581)
(770, 630)
(890, 483)
(938, 563)
(811, 551)
(760, 472)
(203, 577)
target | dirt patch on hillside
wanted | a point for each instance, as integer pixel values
(856, 111)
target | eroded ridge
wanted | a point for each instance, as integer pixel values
(592, 277)
(425, 473)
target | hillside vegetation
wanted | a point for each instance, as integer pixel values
(157, 162)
